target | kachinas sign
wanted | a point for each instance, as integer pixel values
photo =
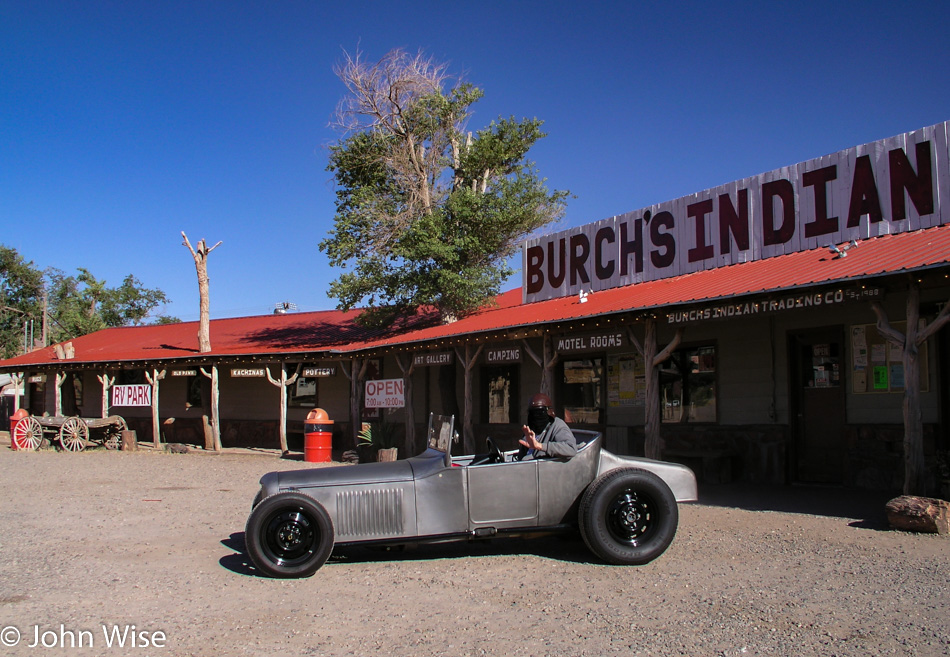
(888, 186)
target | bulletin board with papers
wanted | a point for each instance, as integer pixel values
(877, 365)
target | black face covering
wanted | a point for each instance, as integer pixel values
(538, 419)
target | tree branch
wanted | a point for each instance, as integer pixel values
(670, 348)
(884, 326)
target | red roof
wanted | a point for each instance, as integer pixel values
(335, 331)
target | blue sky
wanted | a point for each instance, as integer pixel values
(124, 123)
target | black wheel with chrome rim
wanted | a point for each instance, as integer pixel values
(628, 516)
(632, 517)
(289, 535)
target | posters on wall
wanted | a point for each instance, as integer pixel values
(877, 365)
(626, 381)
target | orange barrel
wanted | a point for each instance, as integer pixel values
(317, 437)
(14, 420)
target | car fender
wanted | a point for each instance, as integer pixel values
(679, 478)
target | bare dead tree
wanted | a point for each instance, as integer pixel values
(381, 101)
(200, 256)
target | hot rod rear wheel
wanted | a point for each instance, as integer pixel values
(289, 535)
(628, 516)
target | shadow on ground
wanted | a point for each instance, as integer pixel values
(568, 548)
(864, 507)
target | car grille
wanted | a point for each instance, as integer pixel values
(369, 513)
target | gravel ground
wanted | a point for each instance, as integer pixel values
(105, 539)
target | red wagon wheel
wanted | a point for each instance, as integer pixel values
(73, 434)
(28, 433)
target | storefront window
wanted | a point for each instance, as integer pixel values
(688, 385)
(582, 390)
(303, 391)
(501, 400)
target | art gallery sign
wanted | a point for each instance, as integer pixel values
(433, 358)
(888, 186)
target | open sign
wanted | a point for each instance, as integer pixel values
(385, 393)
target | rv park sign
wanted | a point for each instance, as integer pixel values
(888, 186)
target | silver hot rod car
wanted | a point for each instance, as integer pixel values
(625, 507)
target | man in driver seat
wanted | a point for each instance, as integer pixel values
(545, 435)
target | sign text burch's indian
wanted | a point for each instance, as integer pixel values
(889, 186)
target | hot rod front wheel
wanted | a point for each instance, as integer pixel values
(628, 516)
(289, 535)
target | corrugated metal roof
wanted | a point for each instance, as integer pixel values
(337, 332)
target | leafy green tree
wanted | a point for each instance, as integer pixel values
(84, 304)
(75, 305)
(427, 214)
(21, 285)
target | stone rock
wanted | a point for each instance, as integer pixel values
(919, 514)
(351, 456)
(176, 448)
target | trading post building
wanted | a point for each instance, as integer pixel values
(762, 309)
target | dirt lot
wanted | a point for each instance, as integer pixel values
(101, 540)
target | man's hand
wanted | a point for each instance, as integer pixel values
(530, 440)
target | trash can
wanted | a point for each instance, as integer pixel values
(317, 437)
(14, 420)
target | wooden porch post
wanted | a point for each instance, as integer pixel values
(283, 385)
(468, 361)
(153, 378)
(60, 379)
(106, 382)
(17, 378)
(651, 362)
(546, 362)
(215, 395)
(355, 375)
(407, 370)
(915, 471)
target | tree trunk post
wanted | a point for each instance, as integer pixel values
(60, 379)
(407, 369)
(357, 371)
(548, 359)
(468, 362)
(283, 384)
(915, 471)
(215, 396)
(17, 378)
(200, 256)
(153, 378)
(106, 382)
(653, 444)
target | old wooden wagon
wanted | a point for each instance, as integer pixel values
(73, 433)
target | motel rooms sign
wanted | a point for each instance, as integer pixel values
(888, 186)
